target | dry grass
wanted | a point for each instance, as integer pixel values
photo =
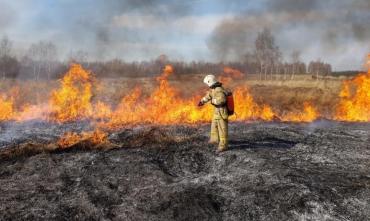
(282, 95)
(289, 95)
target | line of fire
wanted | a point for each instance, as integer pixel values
(73, 100)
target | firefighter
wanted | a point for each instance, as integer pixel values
(217, 96)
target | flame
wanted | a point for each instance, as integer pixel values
(163, 106)
(102, 111)
(234, 73)
(309, 114)
(354, 104)
(266, 113)
(247, 109)
(6, 108)
(98, 137)
(229, 75)
(32, 112)
(73, 100)
(71, 138)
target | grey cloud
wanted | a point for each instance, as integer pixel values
(291, 5)
(7, 15)
(159, 8)
(97, 27)
(333, 25)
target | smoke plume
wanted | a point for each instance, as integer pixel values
(317, 28)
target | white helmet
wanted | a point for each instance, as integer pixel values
(210, 80)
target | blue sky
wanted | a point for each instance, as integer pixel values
(334, 31)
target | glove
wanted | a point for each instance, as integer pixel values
(200, 104)
(214, 101)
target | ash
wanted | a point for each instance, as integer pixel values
(273, 171)
(13, 133)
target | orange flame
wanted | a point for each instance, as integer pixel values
(247, 109)
(31, 112)
(163, 106)
(71, 138)
(6, 108)
(73, 100)
(354, 102)
(309, 114)
(229, 75)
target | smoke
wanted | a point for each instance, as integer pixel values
(314, 27)
(142, 29)
(88, 25)
(160, 8)
(97, 30)
(292, 5)
(7, 16)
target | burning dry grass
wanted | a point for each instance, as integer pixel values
(6, 105)
(286, 100)
(70, 141)
(72, 100)
(111, 105)
(94, 138)
(114, 104)
(355, 99)
(137, 137)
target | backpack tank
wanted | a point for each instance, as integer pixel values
(229, 103)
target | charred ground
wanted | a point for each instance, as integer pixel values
(273, 171)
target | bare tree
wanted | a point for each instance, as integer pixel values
(276, 60)
(43, 56)
(296, 57)
(9, 65)
(317, 68)
(50, 53)
(250, 63)
(314, 68)
(266, 51)
(33, 55)
(5, 47)
(79, 56)
(162, 59)
(286, 69)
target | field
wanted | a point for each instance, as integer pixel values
(282, 95)
(86, 168)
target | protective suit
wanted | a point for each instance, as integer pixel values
(217, 96)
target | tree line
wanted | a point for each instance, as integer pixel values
(271, 64)
(40, 61)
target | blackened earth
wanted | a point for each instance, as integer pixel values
(273, 171)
